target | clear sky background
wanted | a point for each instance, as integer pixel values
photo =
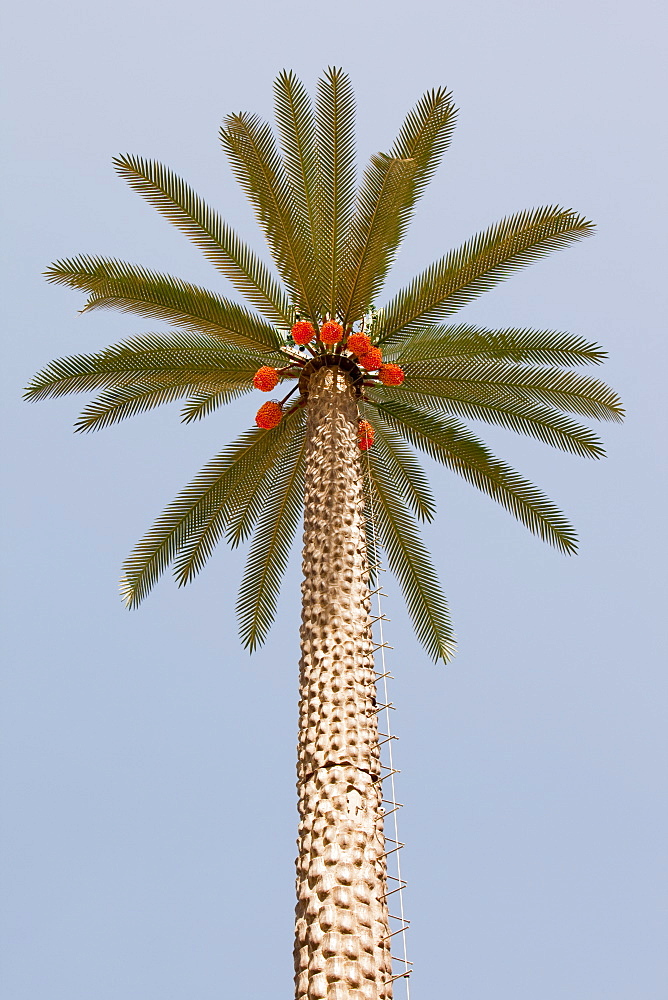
(149, 779)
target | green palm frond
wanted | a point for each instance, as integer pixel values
(374, 234)
(518, 415)
(76, 373)
(185, 514)
(119, 403)
(450, 443)
(425, 135)
(237, 511)
(257, 165)
(270, 548)
(115, 284)
(256, 491)
(465, 342)
(203, 402)
(561, 389)
(409, 560)
(477, 266)
(188, 358)
(335, 118)
(185, 345)
(174, 199)
(402, 470)
(390, 188)
(295, 118)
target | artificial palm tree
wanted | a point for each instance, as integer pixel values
(366, 385)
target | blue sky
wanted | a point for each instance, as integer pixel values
(148, 762)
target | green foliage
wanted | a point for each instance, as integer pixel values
(447, 441)
(296, 123)
(516, 414)
(402, 470)
(257, 165)
(409, 560)
(390, 189)
(211, 489)
(425, 135)
(147, 371)
(270, 548)
(468, 343)
(563, 390)
(179, 204)
(333, 246)
(235, 512)
(114, 284)
(186, 359)
(335, 130)
(477, 266)
(202, 403)
(374, 233)
(129, 400)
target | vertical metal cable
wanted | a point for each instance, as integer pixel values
(389, 738)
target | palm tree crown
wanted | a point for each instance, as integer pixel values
(415, 375)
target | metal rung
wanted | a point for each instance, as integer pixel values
(379, 618)
(383, 742)
(394, 933)
(398, 889)
(379, 677)
(401, 975)
(382, 777)
(407, 922)
(381, 708)
(394, 849)
(404, 961)
(389, 813)
(378, 590)
(381, 645)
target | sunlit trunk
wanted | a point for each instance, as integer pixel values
(342, 948)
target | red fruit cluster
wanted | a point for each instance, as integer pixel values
(391, 374)
(358, 343)
(331, 332)
(265, 378)
(365, 434)
(372, 359)
(303, 332)
(269, 415)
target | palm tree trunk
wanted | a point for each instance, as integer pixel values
(342, 948)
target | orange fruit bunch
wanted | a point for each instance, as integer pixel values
(358, 343)
(365, 435)
(269, 415)
(372, 359)
(265, 378)
(331, 332)
(391, 374)
(303, 332)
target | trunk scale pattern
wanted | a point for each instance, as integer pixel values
(342, 949)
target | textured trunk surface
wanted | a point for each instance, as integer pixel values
(342, 949)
